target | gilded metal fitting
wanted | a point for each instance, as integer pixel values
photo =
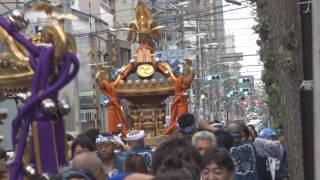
(18, 19)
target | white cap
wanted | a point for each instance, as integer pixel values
(135, 135)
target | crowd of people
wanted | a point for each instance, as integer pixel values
(198, 150)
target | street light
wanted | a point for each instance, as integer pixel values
(201, 34)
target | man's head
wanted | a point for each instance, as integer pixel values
(105, 146)
(175, 150)
(280, 134)
(135, 164)
(217, 164)
(235, 131)
(216, 124)
(187, 124)
(204, 140)
(224, 139)
(245, 132)
(92, 134)
(119, 128)
(89, 162)
(81, 144)
(253, 132)
(135, 137)
(119, 143)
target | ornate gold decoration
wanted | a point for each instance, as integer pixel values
(90, 56)
(187, 69)
(149, 119)
(100, 77)
(139, 89)
(55, 34)
(144, 56)
(144, 25)
(15, 72)
(145, 94)
(145, 70)
(61, 17)
(46, 7)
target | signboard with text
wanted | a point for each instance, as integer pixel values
(172, 55)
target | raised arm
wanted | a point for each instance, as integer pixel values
(266, 148)
(123, 74)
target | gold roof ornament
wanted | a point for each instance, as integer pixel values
(46, 7)
(144, 25)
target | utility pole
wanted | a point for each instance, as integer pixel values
(198, 75)
(76, 100)
(316, 77)
(153, 2)
(182, 28)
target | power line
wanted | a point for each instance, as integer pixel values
(195, 10)
(209, 9)
(166, 22)
(238, 29)
(231, 19)
(103, 31)
(198, 16)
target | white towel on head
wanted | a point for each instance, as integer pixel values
(104, 139)
(135, 137)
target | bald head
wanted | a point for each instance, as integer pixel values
(90, 162)
(235, 130)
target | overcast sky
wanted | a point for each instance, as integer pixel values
(245, 37)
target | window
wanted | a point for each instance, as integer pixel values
(87, 115)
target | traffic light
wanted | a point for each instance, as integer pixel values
(212, 77)
(244, 89)
(217, 77)
(232, 93)
(244, 80)
(247, 93)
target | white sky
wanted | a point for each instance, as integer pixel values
(245, 37)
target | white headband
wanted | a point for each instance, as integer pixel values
(118, 141)
(216, 124)
(135, 137)
(104, 139)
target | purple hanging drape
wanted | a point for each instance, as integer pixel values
(47, 130)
